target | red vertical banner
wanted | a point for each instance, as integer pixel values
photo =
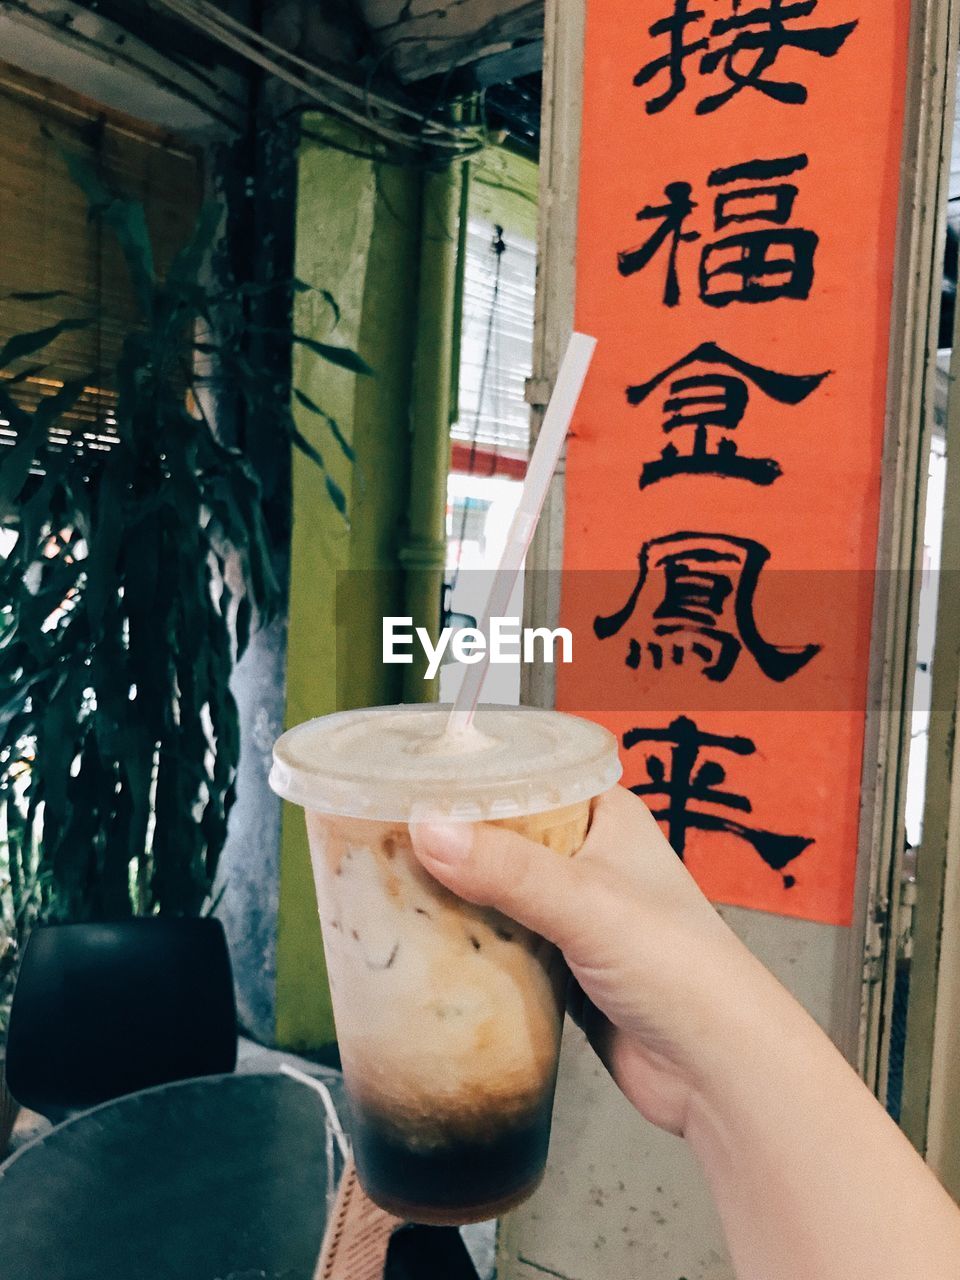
(739, 184)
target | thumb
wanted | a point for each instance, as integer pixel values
(494, 867)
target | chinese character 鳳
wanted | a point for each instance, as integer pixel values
(708, 583)
(716, 402)
(743, 48)
(687, 794)
(754, 264)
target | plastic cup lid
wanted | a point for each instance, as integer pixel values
(394, 764)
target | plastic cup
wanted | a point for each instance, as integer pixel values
(448, 1015)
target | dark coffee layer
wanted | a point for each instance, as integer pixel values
(454, 1183)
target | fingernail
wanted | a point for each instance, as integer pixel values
(448, 842)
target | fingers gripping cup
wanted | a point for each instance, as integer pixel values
(448, 1015)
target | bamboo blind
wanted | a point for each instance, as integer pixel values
(49, 243)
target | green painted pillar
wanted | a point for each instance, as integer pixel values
(358, 236)
(383, 240)
(424, 552)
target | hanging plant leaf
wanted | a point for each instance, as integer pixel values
(101, 564)
(305, 447)
(25, 344)
(12, 705)
(53, 407)
(127, 220)
(304, 286)
(186, 265)
(16, 463)
(30, 372)
(343, 357)
(334, 426)
(243, 626)
(84, 175)
(337, 496)
(17, 418)
(46, 295)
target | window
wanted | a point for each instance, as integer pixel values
(490, 439)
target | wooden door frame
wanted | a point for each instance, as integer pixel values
(931, 1085)
(928, 128)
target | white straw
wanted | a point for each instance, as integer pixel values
(543, 462)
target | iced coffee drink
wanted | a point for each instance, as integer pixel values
(448, 1015)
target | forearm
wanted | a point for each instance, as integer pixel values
(812, 1179)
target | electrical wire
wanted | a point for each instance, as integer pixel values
(345, 86)
(455, 140)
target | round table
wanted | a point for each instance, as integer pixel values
(221, 1178)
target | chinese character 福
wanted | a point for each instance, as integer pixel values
(756, 264)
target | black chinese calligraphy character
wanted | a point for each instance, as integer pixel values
(758, 36)
(716, 402)
(742, 47)
(672, 216)
(757, 264)
(709, 584)
(686, 795)
(674, 26)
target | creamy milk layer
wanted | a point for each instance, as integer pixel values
(448, 1015)
(401, 763)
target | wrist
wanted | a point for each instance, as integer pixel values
(763, 1047)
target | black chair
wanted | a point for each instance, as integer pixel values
(102, 1010)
